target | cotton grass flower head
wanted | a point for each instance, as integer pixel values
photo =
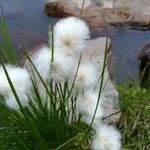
(19, 77)
(86, 105)
(58, 70)
(62, 67)
(70, 36)
(11, 101)
(106, 138)
(87, 76)
(41, 60)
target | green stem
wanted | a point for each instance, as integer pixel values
(101, 84)
(81, 13)
(52, 53)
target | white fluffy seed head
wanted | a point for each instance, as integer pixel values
(19, 77)
(87, 76)
(58, 70)
(106, 138)
(12, 103)
(70, 35)
(62, 67)
(41, 59)
(86, 105)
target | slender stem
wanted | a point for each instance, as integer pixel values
(81, 13)
(72, 86)
(52, 53)
(101, 84)
(111, 115)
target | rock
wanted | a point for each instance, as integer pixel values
(93, 12)
(144, 67)
(101, 13)
(80, 3)
(139, 13)
(108, 4)
(94, 50)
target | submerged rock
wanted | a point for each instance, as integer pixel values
(144, 69)
(101, 13)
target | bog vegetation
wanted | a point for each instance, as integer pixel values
(55, 101)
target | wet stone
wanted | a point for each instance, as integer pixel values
(102, 13)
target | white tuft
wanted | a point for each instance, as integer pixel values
(86, 105)
(106, 138)
(19, 77)
(11, 101)
(41, 59)
(87, 76)
(70, 36)
(62, 67)
(58, 70)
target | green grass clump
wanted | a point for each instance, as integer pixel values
(45, 124)
(39, 132)
(135, 118)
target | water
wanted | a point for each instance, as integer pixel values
(28, 26)
(27, 23)
(126, 47)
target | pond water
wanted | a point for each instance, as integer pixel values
(26, 21)
(28, 26)
(126, 47)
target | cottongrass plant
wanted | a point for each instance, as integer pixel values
(21, 82)
(58, 102)
(107, 137)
